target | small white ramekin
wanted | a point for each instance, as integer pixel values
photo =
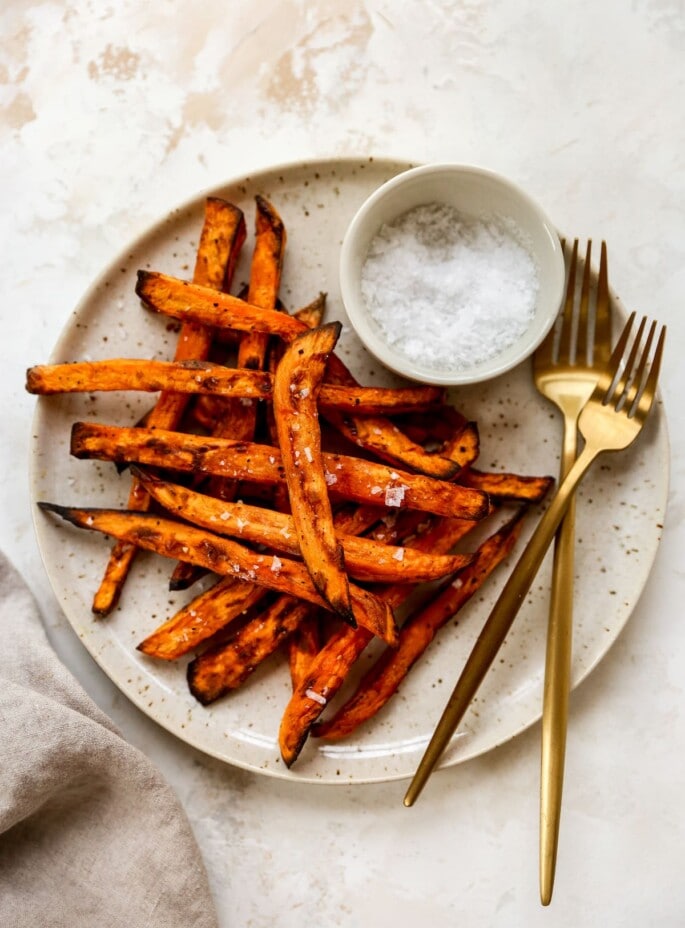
(478, 194)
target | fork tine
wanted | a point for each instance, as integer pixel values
(646, 397)
(634, 385)
(602, 334)
(582, 335)
(566, 336)
(603, 390)
(626, 377)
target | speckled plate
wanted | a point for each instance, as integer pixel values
(620, 512)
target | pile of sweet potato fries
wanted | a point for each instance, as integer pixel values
(238, 470)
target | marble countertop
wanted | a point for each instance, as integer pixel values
(113, 113)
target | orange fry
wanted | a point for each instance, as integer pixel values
(439, 426)
(222, 236)
(202, 618)
(212, 610)
(366, 559)
(385, 440)
(238, 419)
(329, 668)
(349, 478)
(203, 377)
(386, 675)
(185, 542)
(302, 646)
(503, 486)
(312, 314)
(187, 301)
(463, 447)
(146, 375)
(265, 278)
(296, 386)
(225, 667)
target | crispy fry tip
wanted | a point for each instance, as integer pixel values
(142, 279)
(202, 697)
(49, 507)
(334, 326)
(76, 443)
(267, 209)
(65, 512)
(343, 610)
(481, 511)
(31, 380)
(290, 754)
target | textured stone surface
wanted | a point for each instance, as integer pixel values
(113, 113)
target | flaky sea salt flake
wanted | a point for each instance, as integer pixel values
(394, 496)
(317, 697)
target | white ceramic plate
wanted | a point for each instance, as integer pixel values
(620, 512)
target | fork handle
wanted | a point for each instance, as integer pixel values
(499, 621)
(557, 683)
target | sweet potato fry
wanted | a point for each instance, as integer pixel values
(366, 559)
(296, 387)
(265, 279)
(203, 377)
(326, 674)
(212, 610)
(225, 667)
(182, 300)
(207, 409)
(463, 447)
(281, 499)
(199, 620)
(353, 519)
(382, 438)
(184, 575)
(238, 419)
(302, 646)
(350, 478)
(329, 668)
(386, 675)
(312, 314)
(185, 542)
(439, 426)
(503, 486)
(221, 239)
(187, 301)
(376, 401)
(312, 317)
(380, 435)
(146, 375)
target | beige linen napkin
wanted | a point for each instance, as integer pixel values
(90, 834)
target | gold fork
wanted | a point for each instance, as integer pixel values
(610, 420)
(566, 369)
